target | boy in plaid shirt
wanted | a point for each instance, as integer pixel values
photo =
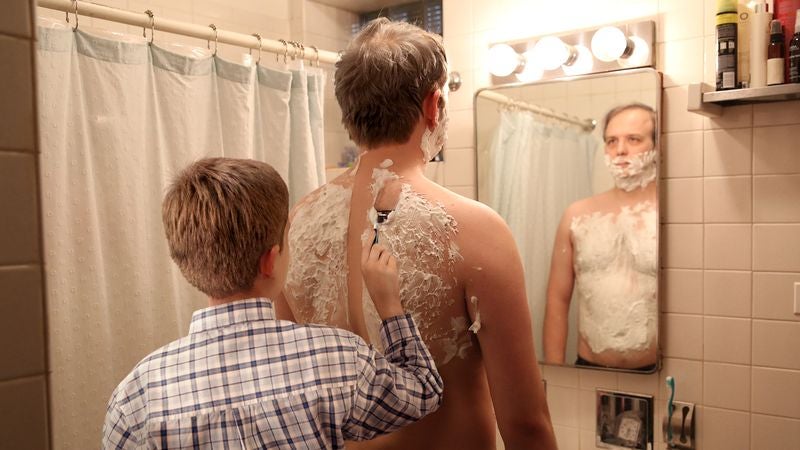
(243, 378)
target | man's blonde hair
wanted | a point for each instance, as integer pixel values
(220, 215)
(382, 79)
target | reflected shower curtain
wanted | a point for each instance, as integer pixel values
(117, 121)
(538, 168)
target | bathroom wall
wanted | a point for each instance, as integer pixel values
(730, 233)
(23, 381)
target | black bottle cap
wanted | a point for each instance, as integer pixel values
(775, 27)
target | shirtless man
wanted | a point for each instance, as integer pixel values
(460, 272)
(606, 250)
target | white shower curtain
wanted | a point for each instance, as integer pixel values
(537, 169)
(117, 120)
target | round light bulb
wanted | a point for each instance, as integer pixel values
(608, 43)
(551, 52)
(641, 52)
(582, 64)
(532, 70)
(503, 60)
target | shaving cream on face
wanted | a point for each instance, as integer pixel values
(433, 141)
(637, 174)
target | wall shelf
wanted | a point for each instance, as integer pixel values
(703, 99)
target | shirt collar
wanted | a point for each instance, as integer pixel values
(240, 311)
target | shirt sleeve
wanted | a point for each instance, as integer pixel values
(116, 432)
(396, 388)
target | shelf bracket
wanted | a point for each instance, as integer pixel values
(695, 102)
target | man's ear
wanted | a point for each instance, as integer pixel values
(266, 264)
(430, 108)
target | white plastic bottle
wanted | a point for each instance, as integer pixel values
(743, 45)
(759, 40)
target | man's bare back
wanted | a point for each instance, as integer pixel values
(459, 270)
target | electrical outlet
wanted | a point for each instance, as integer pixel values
(797, 297)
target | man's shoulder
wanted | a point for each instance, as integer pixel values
(334, 191)
(587, 205)
(473, 215)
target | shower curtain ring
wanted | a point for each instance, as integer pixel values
(152, 26)
(302, 51)
(285, 50)
(295, 49)
(258, 36)
(316, 50)
(208, 43)
(298, 50)
(75, 4)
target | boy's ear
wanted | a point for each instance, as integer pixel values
(430, 108)
(266, 264)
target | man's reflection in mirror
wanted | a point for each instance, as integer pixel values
(605, 254)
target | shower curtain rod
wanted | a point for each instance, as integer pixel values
(586, 124)
(83, 8)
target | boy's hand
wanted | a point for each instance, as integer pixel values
(382, 280)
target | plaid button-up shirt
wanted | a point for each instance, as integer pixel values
(243, 380)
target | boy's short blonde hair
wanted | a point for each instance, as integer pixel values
(220, 215)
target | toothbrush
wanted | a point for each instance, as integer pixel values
(670, 408)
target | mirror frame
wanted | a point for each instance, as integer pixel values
(659, 88)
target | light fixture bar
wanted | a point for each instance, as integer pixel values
(639, 51)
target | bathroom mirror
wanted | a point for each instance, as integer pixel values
(583, 210)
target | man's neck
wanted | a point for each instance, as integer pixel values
(404, 159)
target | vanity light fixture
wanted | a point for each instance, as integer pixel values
(602, 49)
(532, 70)
(551, 53)
(610, 44)
(503, 60)
(639, 55)
(582, 63)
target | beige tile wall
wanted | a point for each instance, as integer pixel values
(731, 228)
(23, 379)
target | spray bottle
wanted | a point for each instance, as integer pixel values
(727, 20)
